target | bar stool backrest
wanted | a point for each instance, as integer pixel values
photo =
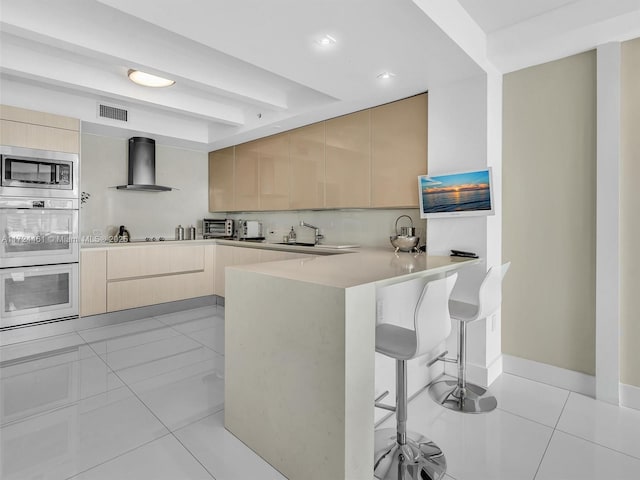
(490, 293)
(431, 319)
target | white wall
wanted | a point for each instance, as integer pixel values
(103, 164)
(458, 141)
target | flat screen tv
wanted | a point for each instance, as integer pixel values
(456, 194)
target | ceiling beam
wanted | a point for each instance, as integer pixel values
(456, 22)
(568, 30)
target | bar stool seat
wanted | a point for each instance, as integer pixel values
(396, 342)
(399, 454)
(458, 394)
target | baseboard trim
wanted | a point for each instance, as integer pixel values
(36, 332)
(483, 376)
(630, 396)
(556, 376)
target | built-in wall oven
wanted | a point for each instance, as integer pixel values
(39, 238)
(38, 232)
(30, 295)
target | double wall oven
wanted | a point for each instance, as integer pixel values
(39, 244)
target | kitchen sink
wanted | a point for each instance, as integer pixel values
(296, 244)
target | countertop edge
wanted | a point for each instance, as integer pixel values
(233, 243)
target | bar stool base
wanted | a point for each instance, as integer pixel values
(471, 399)
(418, 459)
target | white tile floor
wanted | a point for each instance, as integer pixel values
(144, 400)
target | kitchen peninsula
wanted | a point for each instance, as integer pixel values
(299, 361)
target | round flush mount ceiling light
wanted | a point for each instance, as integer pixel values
(386, 75)
(148, 80)
(326, 41)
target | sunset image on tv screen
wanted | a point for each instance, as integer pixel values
(459, 192)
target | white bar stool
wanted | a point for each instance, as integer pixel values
(402, 455)
(458, 394)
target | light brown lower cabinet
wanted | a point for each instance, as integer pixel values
(128, 277)
(224, 258)
(150, 291)
(134, 262)
(227, 256)
(141, 276)
(93, 282)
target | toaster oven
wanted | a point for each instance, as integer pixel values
(217, 228)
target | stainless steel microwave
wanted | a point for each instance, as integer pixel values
(34, 173)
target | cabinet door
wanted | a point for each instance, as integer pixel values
(307, 167)
(348, 161)
(274, 172)
(179, 280)
(224, 258)
(221, 180)
(246, 177)
(143, 261)
(16, 114)
(245, 256)
(26, 135)
(398, 151)
(93, 282)
(271, 256)
(140, 292)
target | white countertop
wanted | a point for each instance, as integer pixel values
(318, 249)
(330, 266)
(359, 268)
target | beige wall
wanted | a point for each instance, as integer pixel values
(549, 224)
(630, 213)
(103, 164)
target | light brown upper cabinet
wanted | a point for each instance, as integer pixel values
(43, 131)
(274, 172)
(370, 158)
(348, 161)
(246, 180)
(221, 180)
(307, 167)
(398, 151)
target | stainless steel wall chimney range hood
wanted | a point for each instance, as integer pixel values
(142, 166)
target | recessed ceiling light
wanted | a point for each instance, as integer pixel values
(148, 80)
(385, 75)
(326, 40)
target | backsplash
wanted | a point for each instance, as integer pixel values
(145, 214)
(370, 228)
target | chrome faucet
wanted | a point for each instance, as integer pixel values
(316, 230)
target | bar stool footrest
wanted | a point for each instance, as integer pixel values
(418, 459)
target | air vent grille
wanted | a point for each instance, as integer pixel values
(114, 113)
